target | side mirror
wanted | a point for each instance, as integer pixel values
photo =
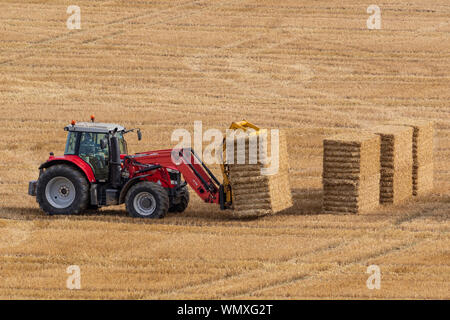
(139, 134)
(103, 143)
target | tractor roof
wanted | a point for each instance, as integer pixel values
(94, 127)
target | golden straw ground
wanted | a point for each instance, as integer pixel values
(312, 69)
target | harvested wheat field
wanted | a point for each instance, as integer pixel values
(312, 69)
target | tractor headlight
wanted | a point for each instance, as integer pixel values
(174, 176)
(125, 174)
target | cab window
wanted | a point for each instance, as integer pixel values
(91, 152)
(71, 143)
(122, 143)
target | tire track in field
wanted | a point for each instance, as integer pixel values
(71, 34)
(163, 20)
(242, 275)
(329, 271)
(420, 213)
(241, 65)
(259, 272)
(293, 259)
(406, 245)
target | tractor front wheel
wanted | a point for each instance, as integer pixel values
(183, 201)
(147, 200)
(62, 189)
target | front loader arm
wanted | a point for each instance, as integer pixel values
(194, 171)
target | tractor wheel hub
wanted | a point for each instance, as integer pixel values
(144, 203)
(60, 192)
(64, 191)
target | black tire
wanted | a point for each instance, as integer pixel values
(92, 209)
(147, 196)
(183, 202)
(79, 182)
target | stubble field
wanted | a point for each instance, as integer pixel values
(310, 68)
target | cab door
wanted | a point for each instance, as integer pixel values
(91, 152)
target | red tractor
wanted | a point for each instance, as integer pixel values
(96, 170)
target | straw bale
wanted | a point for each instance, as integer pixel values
(396, 162)
(255, 194)
(422, 171)
(351, 173)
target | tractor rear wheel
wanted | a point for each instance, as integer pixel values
(183, 202)
(62, 189)
(147, 200)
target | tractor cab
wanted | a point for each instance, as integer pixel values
(90, 142)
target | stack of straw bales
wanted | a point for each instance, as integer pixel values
(396, 163)
(254, 192)
(351, 173)
(422, 171)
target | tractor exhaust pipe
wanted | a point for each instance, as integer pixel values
(114, 163)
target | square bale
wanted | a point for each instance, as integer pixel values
(396, 184)
(351, 171)
(422, 170)
(256, 190)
